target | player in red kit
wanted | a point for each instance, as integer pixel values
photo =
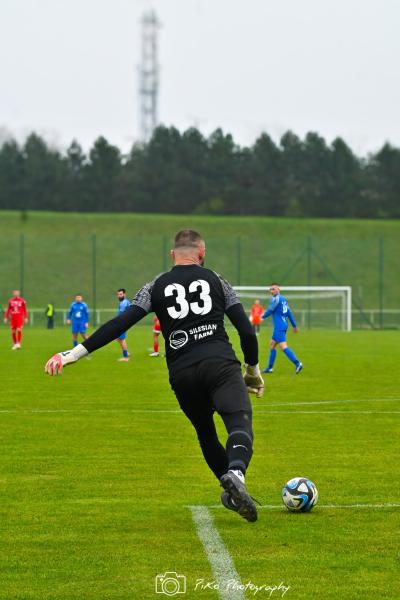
(255, 316)
(156, 335)
(18, 315)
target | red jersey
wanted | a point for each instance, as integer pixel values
(256, 312)
(16, 309)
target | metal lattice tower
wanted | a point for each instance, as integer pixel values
(149, 75)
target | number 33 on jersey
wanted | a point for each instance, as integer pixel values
(183, 306)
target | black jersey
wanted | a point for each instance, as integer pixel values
(190, 302)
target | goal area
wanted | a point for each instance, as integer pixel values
(324, 307)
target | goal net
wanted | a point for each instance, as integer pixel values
(326, 307)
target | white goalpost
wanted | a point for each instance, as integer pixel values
(320, 305)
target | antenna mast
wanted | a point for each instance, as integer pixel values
(149, 75)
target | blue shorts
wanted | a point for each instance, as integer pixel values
(78, 328)
(122, 336)
(279, 335)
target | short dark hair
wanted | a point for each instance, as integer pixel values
(122, 290)
(187, 238)
(271, 284)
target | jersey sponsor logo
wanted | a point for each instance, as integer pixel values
(203, 331)
(178, 338)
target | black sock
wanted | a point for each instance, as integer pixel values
(239, 448)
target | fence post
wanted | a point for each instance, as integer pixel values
(380, 267)
(94, 260)
(309, 277)
(22, 263)
(165, 251)
(238, 259)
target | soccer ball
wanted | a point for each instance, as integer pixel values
(299, 494)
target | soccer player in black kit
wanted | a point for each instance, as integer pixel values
(190, 301)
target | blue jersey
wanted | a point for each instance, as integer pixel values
(123, 305)
(280, 311)
(78, 312)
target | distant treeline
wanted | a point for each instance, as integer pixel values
(189, 173)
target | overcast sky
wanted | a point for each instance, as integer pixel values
(68, 68)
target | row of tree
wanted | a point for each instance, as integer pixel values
(188, 173)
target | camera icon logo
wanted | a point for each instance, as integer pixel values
(170, 584)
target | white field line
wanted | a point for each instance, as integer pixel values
(328, 412)
(218, 556)
(89, 410)
(327, 402)
(169, 411)
(256, 405)
(129, 500)
(323, 506)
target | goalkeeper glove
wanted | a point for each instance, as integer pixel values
(55, 365)
(253, 380)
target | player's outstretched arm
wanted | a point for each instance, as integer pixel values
(104, 335)
(248, 341)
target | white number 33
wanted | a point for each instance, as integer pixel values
(182, 309)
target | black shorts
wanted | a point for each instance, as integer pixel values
(214, 384)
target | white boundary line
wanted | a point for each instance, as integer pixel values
(327, 402)
(151, 411)
(323, 506)
(256, 405)
(218, 556)
(328, 412)
(89, 410)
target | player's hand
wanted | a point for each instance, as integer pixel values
(26, 321)
(253, 380)
(68, 321)
(55, 365)
(5, 321)
(295, 330)
(86, 325)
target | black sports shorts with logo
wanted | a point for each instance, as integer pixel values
(214, 384)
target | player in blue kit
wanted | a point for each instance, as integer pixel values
(124, 303)
(78, 318)
(280, 311)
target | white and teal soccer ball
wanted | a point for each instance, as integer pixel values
(299, 494)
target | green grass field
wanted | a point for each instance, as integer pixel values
(133, 248)
(99, 467)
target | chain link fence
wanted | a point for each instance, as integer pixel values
(56, 268)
